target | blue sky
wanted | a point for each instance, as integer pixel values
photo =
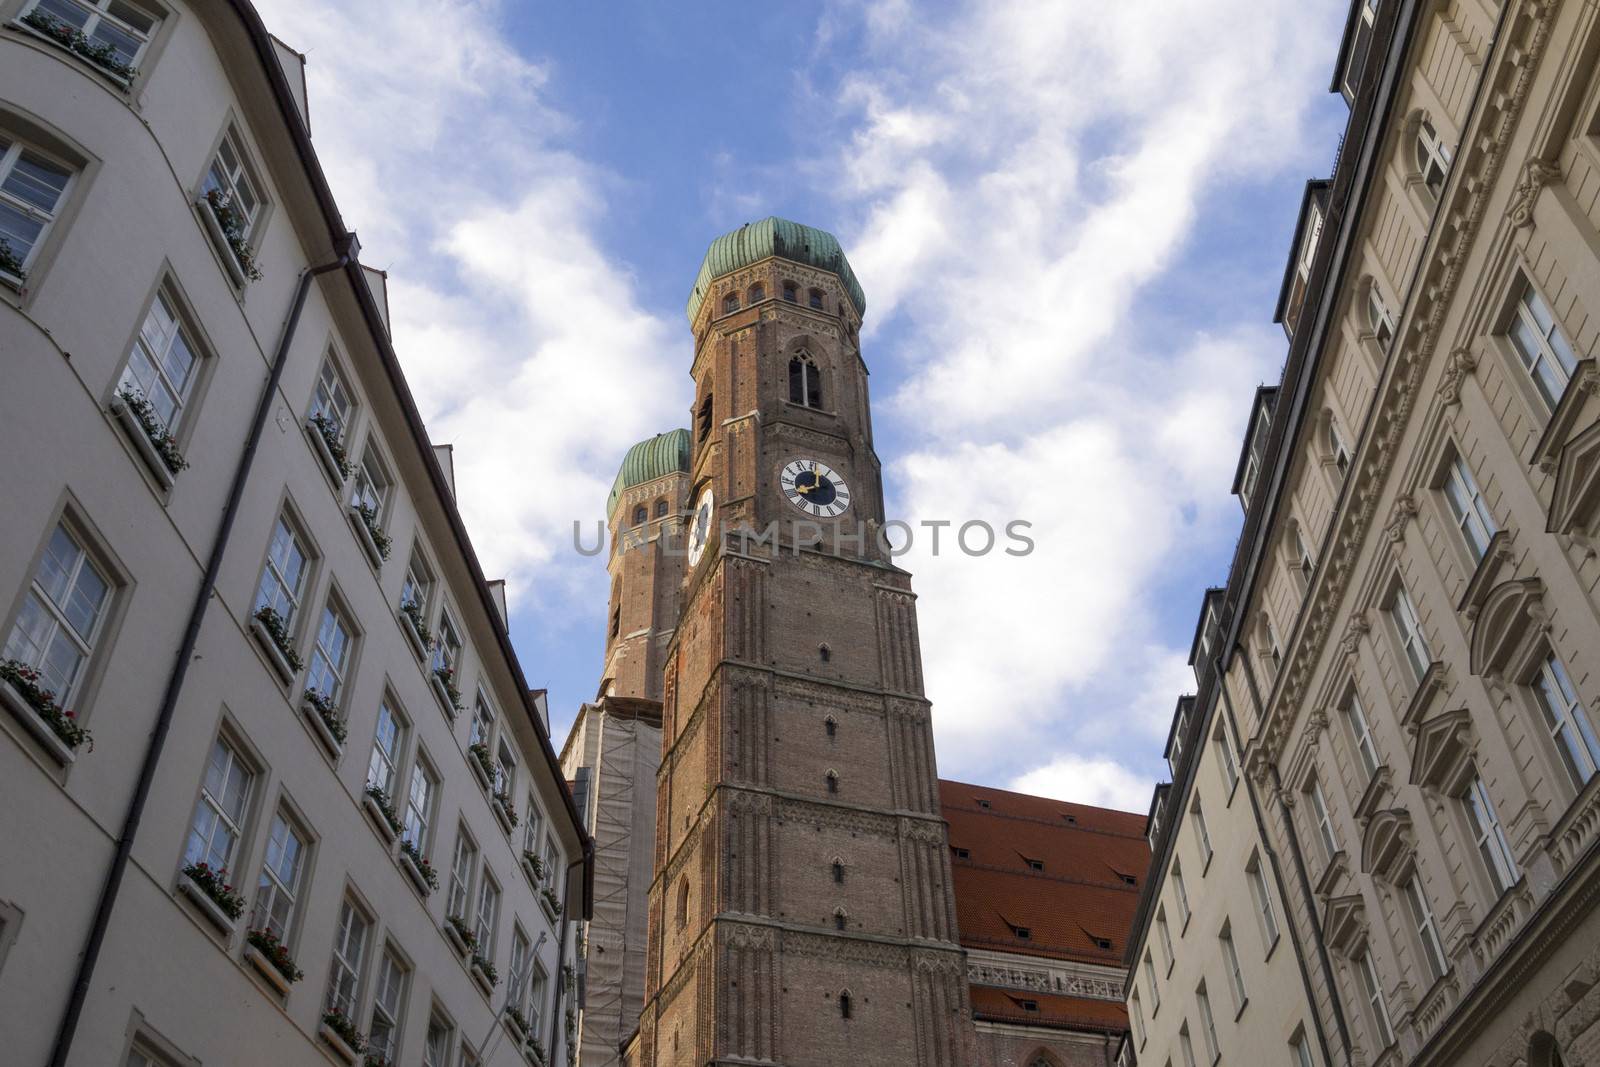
(1070, 219)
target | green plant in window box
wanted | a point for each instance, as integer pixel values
(464, 932)
(340, 1023)
(447, 676)
(486, 968)
(214, 884)
(73, 40)
(479, 751)
(413, 611)
(551, 899)
(330, 437)
(430, 877)
(233, 232)
(9, 263)
(385, 806)
(266, 942)
(369, 519)
(328, 712)
(63, 723)
(503, 798)
(514, 1013)
(278, 630)
(166, 445)
(533, 859)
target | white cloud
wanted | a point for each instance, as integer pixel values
(1096, 780)
(510, 320)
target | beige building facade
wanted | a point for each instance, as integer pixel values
(1410, 625)
(293, 812)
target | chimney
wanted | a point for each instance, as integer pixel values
(446, 455)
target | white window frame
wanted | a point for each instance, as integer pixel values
(1338, 450)
(417, 587)
(458, 898)
(1566, 721)
(1550, 363)
(1230, 766)
(1208, 1024)
(1372, 990)
(1150, 978)
(160, 332)
(1230, 960)
(1180, 892)
(505, 762)
(1432, 157)
(9, 155)
(1425, 927)
(488, 916)
(1366, 747)
(1165, 931)
(484, 717)
(518, 972)
(229, 822)
(349, 951)
(1301, 1050)
(329, 659)
(1473, 519)
(537, 984)
(447, 644)
(418, 819)
(1408, 629)
(1324, 821)
(97, 13)
(273, 570)
(1136, 1013)
(332, 398)
(1488, 835)
(436, 1043)
(34, 650)
(370, 484)
(1186, 1045)
(1266, 915)
(276, 885)
(1379, 319)
(386, 761)
(390, 984)
(230, 182)
(1202, 834)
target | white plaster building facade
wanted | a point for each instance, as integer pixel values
(229, 548)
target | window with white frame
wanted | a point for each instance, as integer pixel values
(121, 29)
(1567, 721)
(536, 995)
(447, 646)
(1265, 915)
(1186, 1046)
(1270, 643)
(482, 722)
(1407, 628)
(1208, 1025)
(1304, 259)
(506, 769)
(1255, 456)
(1319, 814)
(1379, 319)
(516, 980)
(1225, 758)
(386, 743)
(388, 1006)
(1468, 508)
(436, 1046)
(61, 616)
(284, 576)
(1136, 1015)
(33, 186)
(1300, 1050)
(1544, 350)
(1230, 963)
(1337, 449)
(330, 655)
(330, 399)
(1181, 892)
(219, 813)
(278, 890)
(1202, 834)
(419, 806)
(142, 1055)
(533, 825)
(1166, 939)
(488, 913)
(1361, 732)
(162, 366)
(229, 184)
(1299, 552)
(416, 586)
(1150, 980)
(369, 490)
(349, 949)
(552, 855)
(460, 894)
(1488, 834)
(1432, 157)
(1423, 924)
(1372, 990)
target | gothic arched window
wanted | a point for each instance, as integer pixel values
(838, 873)
(730, 303)
(805, 382)
(831, 727)
(641, 515)
(791, 292)
(833, 781)
(705, 418)
(661, 508)
(758, 292)
(816, 299)
(844, 1005)
(683, 902)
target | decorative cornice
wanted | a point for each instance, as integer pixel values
(1536, 174)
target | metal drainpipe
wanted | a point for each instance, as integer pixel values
(347, 248)
(561, 957)
(1277, 869)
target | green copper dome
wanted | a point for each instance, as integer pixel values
(755, 241)
(655, 457)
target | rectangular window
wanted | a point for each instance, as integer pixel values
(115, 28)
(161, 367)
(386, 743)
(1186, 1046)
(1202, 835)
(229, 184)
(1372, 989)
(1360, 43)
(330, 400)
(416, 586)
(369, 490)
(1541, 346)
(447, 648)
(1426, 929)
(279, 887)
(1319, 813)
(1150, 979)
(1256, 456)
(419, 806)
(1468, 508)
(1230, 766)
(1300, 1052)
(482, 722)
(1409, 631)
(520, 951)
(219, 814)
(1488, 834)
(533, 823)
(1230, 961)
(388, 1003)
(536, 995)
(1166, 940)
(1136, 1015)
(1567, 721)
(32, 189)
(283, 578)
(1368, 752)
(349, 949)
(1181, 892)
(436, 1049)
(330, 656)
(505, 769)
(1208, 1025)
(1338, 449)
(488, 913)
(1263, 901)
(61, 615)
(461, 876)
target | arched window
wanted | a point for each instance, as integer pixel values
(791, 292)
(1543, 1051)
(1337, 449)
(816, 299)
(730, 303)
(1433, 157)
(683, 901)
(758, 292)
(805, 382)
(838, 873)
(844, 1005)
(705, 418)
(641, 515)
(840, 921)
(831, 726)
(833, 781)
(824, 653)
(1379, 321)
(661, 508)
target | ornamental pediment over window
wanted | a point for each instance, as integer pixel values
(1344, 924)
(1442, 755)
(1575, 502)
(1388, 847)
(1511, 619)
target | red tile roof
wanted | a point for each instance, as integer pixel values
(1054, 870)
(1051, 1009)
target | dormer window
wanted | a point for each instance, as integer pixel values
(1022, 933)
(1360, 44)
(1433, 158)
(984, 804)
(1255, 459)
(1302, 266)
(1033, 864)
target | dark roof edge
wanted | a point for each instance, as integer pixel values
(1316, 189)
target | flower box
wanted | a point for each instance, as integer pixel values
(413, 628)
(373, 540)
(550, 903)
(533, 867)
(11, 271)
(208, 907)
(378, 807)
(417, 868)
(264, 967)
(484, 974)
(211, 219)
(153, 444)
(444, 688)
(329, 449)
(324, 721)
(277, 654)
(102, 57)
(340, 1042)
(35, 723)
(534, 1050)
(460, 937)
(504, 813)
(518, 1024)
(478, 760)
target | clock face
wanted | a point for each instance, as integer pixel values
(700, 526)
(815, 488)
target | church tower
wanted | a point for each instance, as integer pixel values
(801, 910)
